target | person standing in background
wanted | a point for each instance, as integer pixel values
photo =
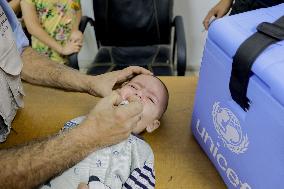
(238, 6)
(54, 26)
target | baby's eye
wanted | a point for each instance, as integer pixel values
(152, 100)
(132, 86)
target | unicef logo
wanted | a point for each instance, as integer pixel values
(229, 130)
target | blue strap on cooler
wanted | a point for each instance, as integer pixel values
(249, 50)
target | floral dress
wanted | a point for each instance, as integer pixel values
(57, 18)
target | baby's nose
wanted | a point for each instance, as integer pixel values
(139, 94)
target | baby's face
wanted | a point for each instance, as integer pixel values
(152, 95)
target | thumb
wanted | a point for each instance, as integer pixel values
(105, 92)
(113, 99)
(83, 186)
(133, 109)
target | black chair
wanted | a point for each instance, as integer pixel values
(136, 32)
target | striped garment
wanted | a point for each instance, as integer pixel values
(140, 178)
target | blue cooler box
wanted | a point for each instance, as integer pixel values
(246, 146)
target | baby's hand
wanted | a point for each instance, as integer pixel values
(76, 36)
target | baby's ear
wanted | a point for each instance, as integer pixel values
(152, 127)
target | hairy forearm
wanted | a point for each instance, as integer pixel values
(31, 165)
(40, 70)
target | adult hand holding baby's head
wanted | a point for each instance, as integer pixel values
(109, 123)
(102, 85)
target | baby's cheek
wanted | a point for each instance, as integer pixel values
(152, 111)
(147, 111)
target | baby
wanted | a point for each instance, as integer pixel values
(129, 164)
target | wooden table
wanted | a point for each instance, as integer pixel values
(179, 161)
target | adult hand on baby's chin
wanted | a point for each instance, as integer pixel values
(102, 85)
(109, 123)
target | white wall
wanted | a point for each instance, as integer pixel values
(192, 11)
(89, 49)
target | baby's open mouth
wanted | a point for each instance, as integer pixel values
(124, 102)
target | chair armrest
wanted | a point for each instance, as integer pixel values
(84, 21)
(73, 58)
(180, 44)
